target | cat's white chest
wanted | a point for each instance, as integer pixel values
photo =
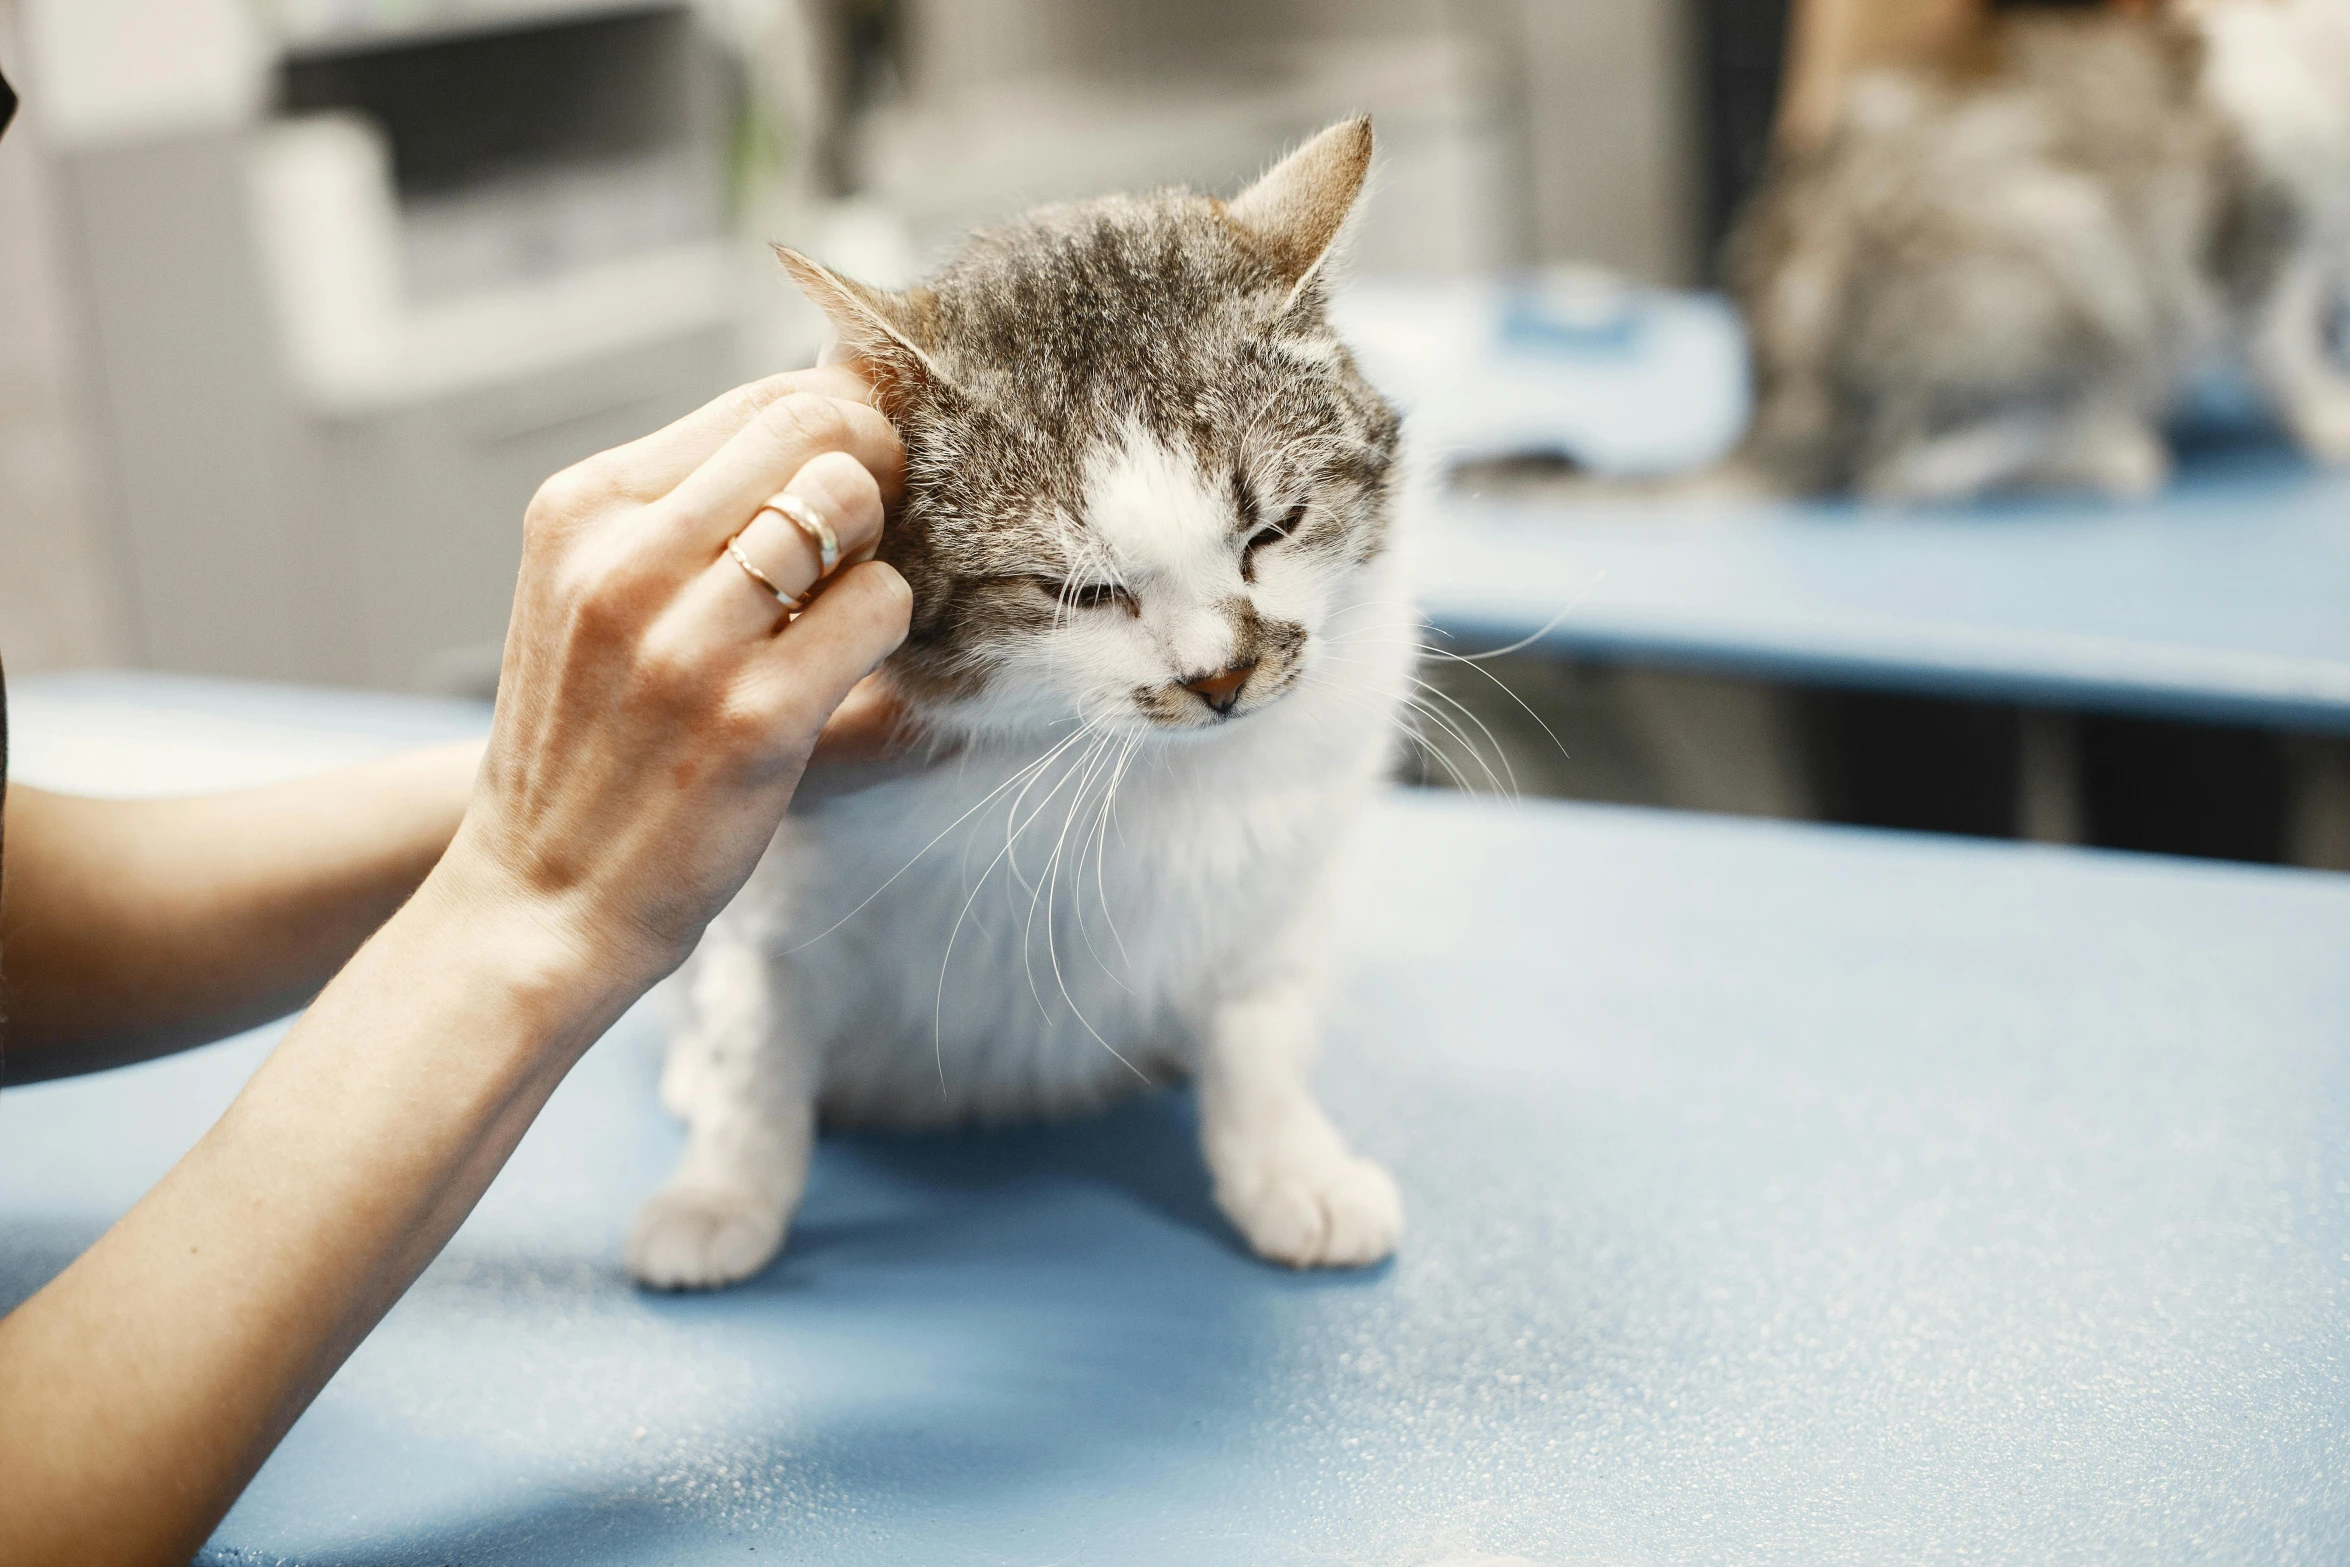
(1025, 934)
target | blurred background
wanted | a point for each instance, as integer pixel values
(300, 300)
(303, 297)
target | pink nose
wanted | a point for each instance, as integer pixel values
(1222, 689)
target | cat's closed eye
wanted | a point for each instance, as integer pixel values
(1089, 595)
(1271, 533)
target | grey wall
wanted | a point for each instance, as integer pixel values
(213, 491)
(60, 600)
(1611, 134)
(1600, 89)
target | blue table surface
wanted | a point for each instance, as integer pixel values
(2227, 598)
(1778, 1194)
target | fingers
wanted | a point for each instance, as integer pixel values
(717, 500)
(649, 468)
(842, 492)
(726, 602)
(859, 621)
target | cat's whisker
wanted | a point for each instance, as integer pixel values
(1428, 750)
(1504, 687)
(1436, 693)
(1419, 709)
(1429, 649)
(1102, 850)
(1097, 844)
(1107, 774)
(1460, 780)
(946, 959)
(1048, 895)
(1013, 833)
(1531, 637)
(1046, 890)
(1075, 1010)
(1519, 646)
(976, 807)
(1026, 781)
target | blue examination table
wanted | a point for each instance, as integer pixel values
(1777, 1194)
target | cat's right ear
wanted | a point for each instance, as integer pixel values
(877, 328)
(1297, 211)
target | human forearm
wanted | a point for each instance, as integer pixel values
(229, 1295)
(655, 710)
(137, 927)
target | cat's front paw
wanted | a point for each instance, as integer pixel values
(700, 1237)
(1336, 1211)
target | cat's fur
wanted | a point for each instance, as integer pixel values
(1137, 457)
(2001, 272)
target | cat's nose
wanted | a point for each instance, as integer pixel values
(1222, 689)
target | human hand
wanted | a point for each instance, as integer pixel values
(655, 708)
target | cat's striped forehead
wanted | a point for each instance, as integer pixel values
(1092, 354)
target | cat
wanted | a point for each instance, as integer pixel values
(1159, 618)
(2001, 273)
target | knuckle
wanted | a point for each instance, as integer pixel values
(853, 486)
(745, 403)
(848, 494)
(757, 395)
(600, 615)
(565, 497)
(893, 595)
(668, 673)
(608, 600)
(875, 594)
(807, 422)
(744, 725)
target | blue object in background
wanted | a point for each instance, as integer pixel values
(1573, 319)
(1776, 1194)
(1574, 364)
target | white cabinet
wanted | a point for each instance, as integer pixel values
(325, 390)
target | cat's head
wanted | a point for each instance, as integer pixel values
(1141, 469)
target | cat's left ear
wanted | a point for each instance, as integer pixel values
(877, 328)
(1295, 214)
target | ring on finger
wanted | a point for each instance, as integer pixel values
(818, 532)
(734, 547)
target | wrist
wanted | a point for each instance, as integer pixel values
(569, 984)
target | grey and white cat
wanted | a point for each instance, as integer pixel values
(1157, 618)
(2001, 273)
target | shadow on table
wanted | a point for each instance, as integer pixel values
(1146, 1150)
(1145, 1153)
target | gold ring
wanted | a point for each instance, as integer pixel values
(734, 547)
(812, 527)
